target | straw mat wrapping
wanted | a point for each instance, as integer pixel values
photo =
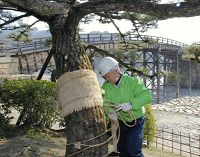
(78, 90)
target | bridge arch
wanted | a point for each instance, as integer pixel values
(164, 55)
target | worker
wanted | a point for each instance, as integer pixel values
(124, 100)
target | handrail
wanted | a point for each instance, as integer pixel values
(103, 38)
(112, 37)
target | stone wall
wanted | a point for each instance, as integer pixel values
(17, 77)
(9, 65)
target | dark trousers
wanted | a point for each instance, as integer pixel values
(131, 138)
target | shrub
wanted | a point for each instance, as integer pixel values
(150, 125)
(35, 101)
(4, 124)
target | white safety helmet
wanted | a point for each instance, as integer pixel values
(106, 65)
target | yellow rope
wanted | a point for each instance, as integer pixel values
(89, 139)
(90, 146)
(135, 120)
(129, 113)
(80, 143)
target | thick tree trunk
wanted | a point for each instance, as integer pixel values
(85, 125)
(70, 55)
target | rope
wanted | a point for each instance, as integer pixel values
(118, 112)
(89, 139)
(79, 144)
(135, 120)
(114, 128)
(91, 146)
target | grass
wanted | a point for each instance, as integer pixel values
(153, 152)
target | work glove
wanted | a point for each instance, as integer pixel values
(124, 107)
(113, 116)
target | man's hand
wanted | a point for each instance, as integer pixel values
(124, 107)
(113, 116)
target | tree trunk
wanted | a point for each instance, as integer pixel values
(86, 125)
(70, 55)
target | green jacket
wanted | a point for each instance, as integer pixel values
(129, 89)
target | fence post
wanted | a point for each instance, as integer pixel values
(199, 144)
(189, 144)
(172, 141)
(180, 144)
(162, 139)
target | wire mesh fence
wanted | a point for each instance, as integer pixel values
(178, 142)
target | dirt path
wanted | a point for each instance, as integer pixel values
(27, 147)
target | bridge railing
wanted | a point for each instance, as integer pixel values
(38, 44)
(12, 47)
(114, 37)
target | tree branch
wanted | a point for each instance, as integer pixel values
(28, 27)
(116, 17)
(161, 11)
(129, 68)
(40, 8)
(44, 10)
(14, 19)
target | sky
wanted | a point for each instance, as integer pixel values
(186, 30)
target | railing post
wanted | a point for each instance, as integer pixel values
(172, 141)
(40, 43)
(189, 145)
(164, 81)
(88, 38)
(35, 45)
(177, 76)
(2, 48)
(100, 36)
(180, 144)
(111, 37)
(158, 77)
(144, 65)
(129, 37)
(162, 139)
(190, 77)
(199, 144)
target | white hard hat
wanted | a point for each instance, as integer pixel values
(106, 65)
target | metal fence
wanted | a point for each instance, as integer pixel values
(178, 142)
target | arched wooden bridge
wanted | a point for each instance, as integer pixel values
(164, 55)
